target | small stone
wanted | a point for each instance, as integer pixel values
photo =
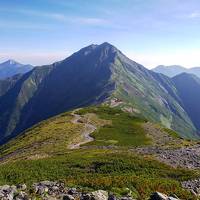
(126, 198)
(22, 196)
(21, 187)
(158, 196)
(72, 191)
(172, 198)
(68, 197)
(85, 197)
(112, 197)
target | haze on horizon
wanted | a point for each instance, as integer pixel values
(150, 32)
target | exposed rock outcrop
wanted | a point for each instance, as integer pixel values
(49, 190)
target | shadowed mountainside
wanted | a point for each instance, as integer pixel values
(93, 75)
(188, 86)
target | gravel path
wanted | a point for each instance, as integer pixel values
(88, 129)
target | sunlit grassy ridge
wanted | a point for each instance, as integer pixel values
(49, 137)
(125, 130)
(41, 153)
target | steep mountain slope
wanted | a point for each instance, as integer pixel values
(82, 79)
(11, 68)
(154, 95)
(174, 70)
(188, 87)
(8, 83)
(93, 75)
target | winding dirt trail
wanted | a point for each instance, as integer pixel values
(88, 129)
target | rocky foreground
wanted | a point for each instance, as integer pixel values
(48, 190)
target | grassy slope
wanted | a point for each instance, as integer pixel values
(97, 169)
(110, 169)
(125, 130)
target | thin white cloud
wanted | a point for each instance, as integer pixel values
(51, 15)
(60, 17)
(90, 21)
(194, 15)
(22, 25)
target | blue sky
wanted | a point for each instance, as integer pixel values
(151, 32)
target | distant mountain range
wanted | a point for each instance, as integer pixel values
(11, 68)
(97, 74)
(174, 70)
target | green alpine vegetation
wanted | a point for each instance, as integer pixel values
(101, 169)
(125, 130)
(109, 162)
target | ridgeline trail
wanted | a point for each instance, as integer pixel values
(88, 129)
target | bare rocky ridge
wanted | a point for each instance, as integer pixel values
(159, 137)
(175, 152)
(186, 157)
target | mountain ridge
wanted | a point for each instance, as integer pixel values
(93, 75)
(173, 70)
(11, 67)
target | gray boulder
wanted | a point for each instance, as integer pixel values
(112, 197)
(99, 195)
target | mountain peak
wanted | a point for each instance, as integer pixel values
(103, 50)
(10, 62)
(107, 45)
(11, 67)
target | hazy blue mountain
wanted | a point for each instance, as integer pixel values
(11, 68)
(170, 71)
(93, 75)
(188, 86)
(174, 70)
